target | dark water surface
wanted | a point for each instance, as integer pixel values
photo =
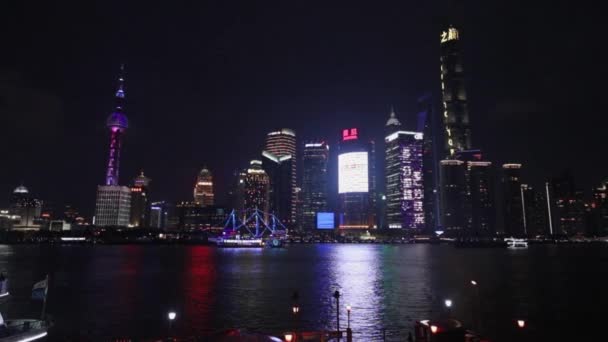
(99, 292)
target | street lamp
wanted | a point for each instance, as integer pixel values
(337, 296)
(348, 316)
(288, 337)
(448, 303)
(295, 309)
(521, 323)
(434, 329)
(171, 316)
(473, 282)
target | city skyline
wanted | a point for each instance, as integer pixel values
(314, 113)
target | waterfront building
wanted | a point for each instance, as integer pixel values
(404, 177)
(140, 197)
(512, 200)
(203, 189)
(427, 124)
(192, 216)
(356, 181)
(453, 196)
(113, 204)
(256, 187)
(600, 209)
(569, 205)
(281, 145)
(159, 214)
(480, 193)
(455, 109)
(25, 209)
(282, 193)
(534, 211)
(314, 182)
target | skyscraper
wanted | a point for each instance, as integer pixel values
(453, 196)
(140, 198)
(314, 181)
(404, 177)
(257, 187)
(569, 205)
(356, 186)
(25, 208)
(113, 201)
(203, 189)
(455, 111)
(280, 153)
(513, 198)
(480, 179)
(427, 124)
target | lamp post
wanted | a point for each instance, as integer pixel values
(448, 305)
(476, 312)
(171, 316)
(337, 296)
(348, 316)
(295, 309)
(288, 337)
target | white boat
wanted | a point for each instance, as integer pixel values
(23, 330)
(234, 242)
(516, 243)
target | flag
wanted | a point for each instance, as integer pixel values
(40, 289)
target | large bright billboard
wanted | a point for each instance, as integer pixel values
(325, 220)
(352, 172)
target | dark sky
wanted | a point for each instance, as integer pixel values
(207, 80)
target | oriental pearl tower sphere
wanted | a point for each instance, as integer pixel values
(117, 123)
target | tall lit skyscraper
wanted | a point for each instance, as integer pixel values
(453, 196)
(25, 208)
(257, 187)
(480, 179)
(140, 198)
(356, 186)
(279, 154)
(455, 111)
(314, 181)
(203, 189)
(513, 199)
(114, 201)
(404, 177)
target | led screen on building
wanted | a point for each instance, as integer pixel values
(325, 220)
(352, 172)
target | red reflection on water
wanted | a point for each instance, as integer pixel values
(199, 284)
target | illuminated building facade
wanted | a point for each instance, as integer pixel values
(191, 216)
(113, 204)
(25, 210)
(455, 111)
(480, 181)
(159, 214)
(203, 189)
(140, 197)
(569, 205)
(314, 182)
(427, 124)
(256, 187)
(513, 199)
(356, 183)
(404, 178)
(281, 145)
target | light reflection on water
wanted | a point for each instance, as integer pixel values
(114, 291)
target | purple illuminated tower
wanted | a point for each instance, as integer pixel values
(117, 123)
(113, 204)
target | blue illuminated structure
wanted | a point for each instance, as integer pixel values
(254, 224)
(325, 221)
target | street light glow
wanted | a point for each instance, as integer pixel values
(521, 323)
(448, 303)
(434, 329)
(288, 337)
(348, 308)
(473, 282)
(172, 315)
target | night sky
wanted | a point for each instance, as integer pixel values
(206, 81)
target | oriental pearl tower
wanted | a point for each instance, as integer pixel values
(117, 123)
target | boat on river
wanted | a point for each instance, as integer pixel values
(514, 243)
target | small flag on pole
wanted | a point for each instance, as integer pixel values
(40, 289)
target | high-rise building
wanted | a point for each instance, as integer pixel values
(257, 187)
(140, 197)
(25, 209)
(480, 180)
(281, 192)
(314, 182)
(569, 205)
(513, 199)
(600, 208)
(404, 177)
(534, 211)
(113, 200)
(430, 162)
(453, 196)
(455, 111)
(159, 214)
(203, 189)
(282, 145)
(356, 182)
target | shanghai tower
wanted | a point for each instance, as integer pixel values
(113, 204)
(455, 111)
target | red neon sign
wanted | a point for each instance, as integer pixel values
(349, 134)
